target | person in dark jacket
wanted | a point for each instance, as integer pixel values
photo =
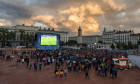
(115, 73)
(86, 74)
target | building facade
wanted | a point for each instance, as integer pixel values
(115, 36)
(123, 36)
(73, 38)
(108, 36)
(32, 30)
(102, 46)
(135, 38)
(89, 40)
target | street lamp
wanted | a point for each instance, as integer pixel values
(95, 45)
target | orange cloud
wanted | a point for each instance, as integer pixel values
(114, 5)
(47, 19)
(1, 24)
(74, 17)
(121, 26)
(94, 8)
(44, 18)
(4, 22)
(71, 10)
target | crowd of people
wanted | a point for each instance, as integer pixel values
(83, 60)
(71, 60)
(38, 59)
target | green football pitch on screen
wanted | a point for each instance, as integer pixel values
(48, 40)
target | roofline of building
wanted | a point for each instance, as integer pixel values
(93, 35)
(27, 26)
(14, 28)
(73, 37)
(135, 34)
(87, 36)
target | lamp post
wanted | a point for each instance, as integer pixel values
(95, 45)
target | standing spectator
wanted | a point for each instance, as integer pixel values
(86, 74)
(55, 72)
(35, 66)
(70, 67)
(116, 71)
(83, 67)
(65, 72)
(22, 60)
(30, 65)
(61, 73)
(17, 62)
(40, 66)
(52, 60)
(27, 62)
(103, 72)
(12, 57)
(111, 71)
(58, 65)
(49, 60)
(99, 70)
(44, 59)
(96, 68)
(74, 67)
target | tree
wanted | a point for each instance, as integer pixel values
(100, 42)
(118, 45)
(84, 44)
(112, 46)
(72, 42)
(4, 36)
(27, 36)
(138, 43)
(32, 39)
(135, 46)
(62, 43)
(9, 38)
(124, 46)
(14, 36)
(130, 46)
(22, 37)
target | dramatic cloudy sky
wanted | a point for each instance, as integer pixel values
(67, 15)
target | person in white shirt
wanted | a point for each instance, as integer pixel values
(49, 60)
(65, 72)
(22, 60)
(44, 59)
(12, 57)
(18, 54)
(52, 60)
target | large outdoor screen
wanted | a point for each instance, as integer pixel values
(48, 40)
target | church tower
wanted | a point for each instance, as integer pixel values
(79, 38)
(104, 30)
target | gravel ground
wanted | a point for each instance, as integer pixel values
(12, 74)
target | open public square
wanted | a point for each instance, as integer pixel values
(69, 41)
(12, 74)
